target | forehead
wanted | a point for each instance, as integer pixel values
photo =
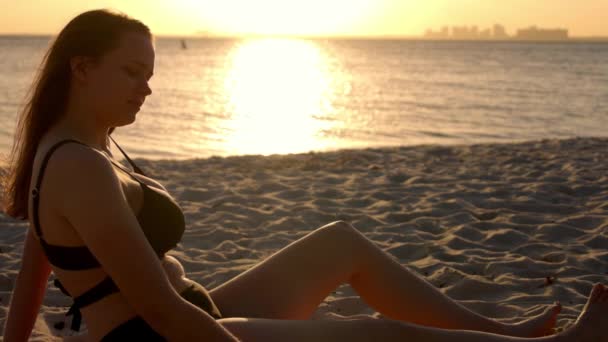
(135, 47)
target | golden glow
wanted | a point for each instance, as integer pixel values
(289, 17)
(276, 86)
(315, 17)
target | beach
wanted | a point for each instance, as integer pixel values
(505, 229)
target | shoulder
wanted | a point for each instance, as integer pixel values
(77, 160)
(72, 152)
(74, 168)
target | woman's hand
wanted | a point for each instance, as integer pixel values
(176, 274)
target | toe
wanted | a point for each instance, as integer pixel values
(603, 297)
(557, 307)
(596, 291)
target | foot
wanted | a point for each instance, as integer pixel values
(592, 323)
(540, 325)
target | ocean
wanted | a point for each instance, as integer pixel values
(221, 97)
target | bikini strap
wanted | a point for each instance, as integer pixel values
(135, 167)
(36, 189)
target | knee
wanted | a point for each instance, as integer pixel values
(237, 326)
(340, 230)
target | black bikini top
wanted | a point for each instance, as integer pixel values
(160, 218)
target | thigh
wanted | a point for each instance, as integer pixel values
(359, 330)
(261, 329)
(292, 283)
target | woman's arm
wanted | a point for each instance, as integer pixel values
(90, 197)
(28, 291)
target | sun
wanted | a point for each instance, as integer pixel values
(277, 89)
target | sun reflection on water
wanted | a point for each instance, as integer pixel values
(277, 89)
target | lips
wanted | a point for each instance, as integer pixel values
(136, 103)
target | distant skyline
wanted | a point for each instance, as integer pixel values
(314, 17)
(497, 32)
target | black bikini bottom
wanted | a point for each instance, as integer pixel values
(136, 329)
(198, 295)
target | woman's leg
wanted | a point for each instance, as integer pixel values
(292, 283)
(367, 330)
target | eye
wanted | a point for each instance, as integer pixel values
(131, 72)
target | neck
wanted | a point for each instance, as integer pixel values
(80, 124)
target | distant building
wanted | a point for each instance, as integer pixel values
(499, 32)
(535, 33)
(485, 34)
(474, 32)
(443, 34)
(464, 32)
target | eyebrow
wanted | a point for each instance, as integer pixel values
(144, 65)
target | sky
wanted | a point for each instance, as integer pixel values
(314, 17)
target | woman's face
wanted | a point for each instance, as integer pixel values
(118, 84)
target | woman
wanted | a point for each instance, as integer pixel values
(104, 231)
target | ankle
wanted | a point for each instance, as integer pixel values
(496, 327)
(510, 329)
(560, 337)
(571, 334)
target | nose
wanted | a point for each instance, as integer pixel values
(146, 89)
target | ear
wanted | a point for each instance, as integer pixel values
(79, 65)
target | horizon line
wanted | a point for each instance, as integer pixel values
(202, 35)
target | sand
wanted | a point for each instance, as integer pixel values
(505, 229)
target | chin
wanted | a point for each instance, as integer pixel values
(125, 121)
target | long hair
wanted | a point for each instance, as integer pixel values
(90, 34)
